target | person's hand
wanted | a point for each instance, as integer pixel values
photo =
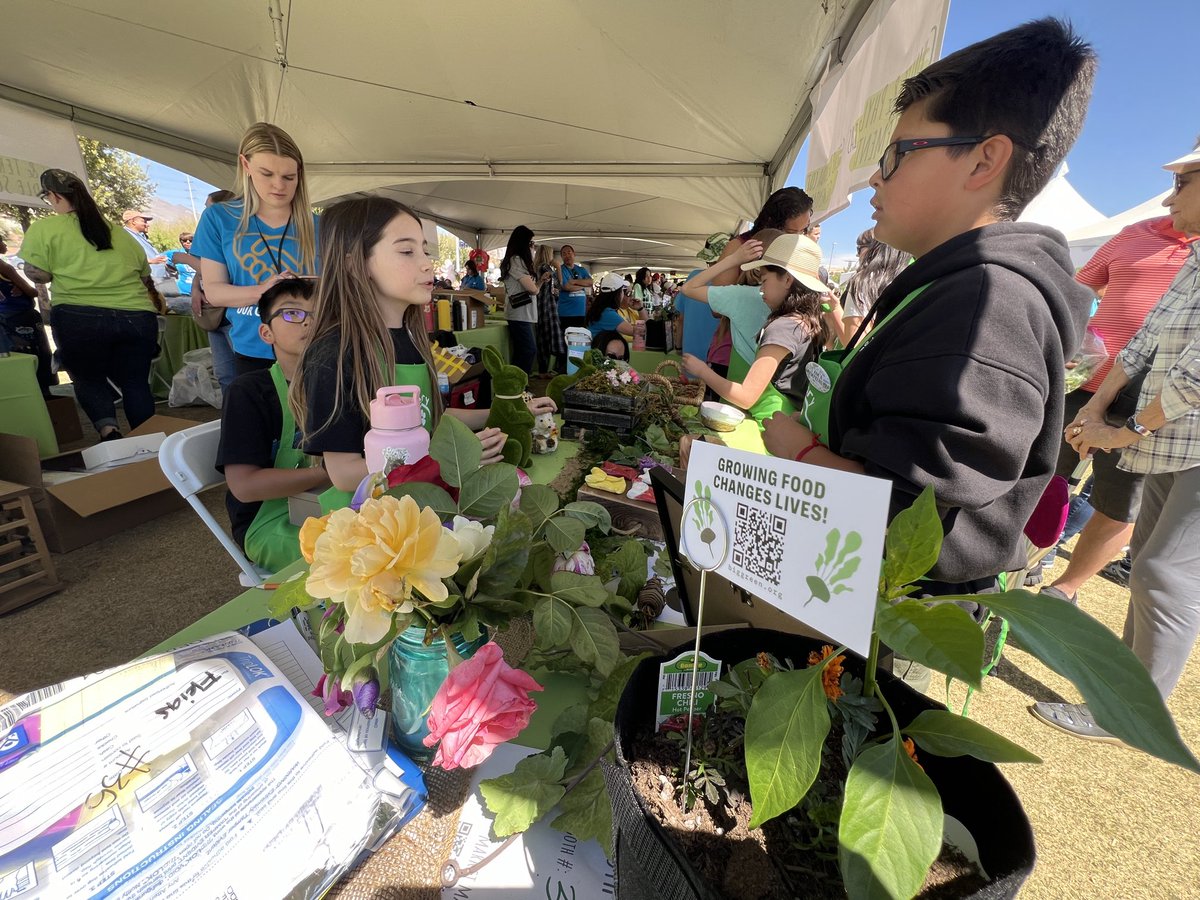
(1089, 412)
(492, 440)
(155, 260)
(539, 405)
(694, 365)
(748, 252)
(1095, 435)
(784, 437)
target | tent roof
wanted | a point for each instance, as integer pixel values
(1099, 232)
(1060, 206)
(624, 123)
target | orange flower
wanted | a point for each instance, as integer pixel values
(832, 675)
(764, 662)
(911, 749)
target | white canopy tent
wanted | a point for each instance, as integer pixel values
(1087, 240)
(635, 129)
(1060, 206)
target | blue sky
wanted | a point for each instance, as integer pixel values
(1145, 107)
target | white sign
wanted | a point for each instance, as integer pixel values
(806, 539)
(852, 107)
(32, 141)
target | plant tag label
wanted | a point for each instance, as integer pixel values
(675, 687)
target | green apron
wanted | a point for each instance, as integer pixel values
(406, 373)
(770, 401)
(824, 372)
(272, 541)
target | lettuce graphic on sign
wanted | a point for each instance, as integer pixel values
(704, 524)
(702, 512)
(833, 566)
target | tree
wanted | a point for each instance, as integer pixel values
(116, 178)
(446, 245)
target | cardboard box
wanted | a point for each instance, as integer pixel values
(64, 415)
(123, 451)
(83, 510)
(463, 309)
(303, 506)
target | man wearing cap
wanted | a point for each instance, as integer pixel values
(138, 224)
(1162, 442)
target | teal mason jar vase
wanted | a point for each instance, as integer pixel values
(416, 672)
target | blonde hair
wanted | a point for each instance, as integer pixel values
(346, 304)
(263, 137)
(545, 257)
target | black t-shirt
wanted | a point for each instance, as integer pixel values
(251, 418)
(349, 425)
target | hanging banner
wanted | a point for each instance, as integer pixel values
(852, 107)
(32, 141)
(806, 539)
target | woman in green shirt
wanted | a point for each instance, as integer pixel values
(104, 302)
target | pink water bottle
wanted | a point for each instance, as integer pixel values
(397, 436)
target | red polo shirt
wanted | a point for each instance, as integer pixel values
(1136, 267)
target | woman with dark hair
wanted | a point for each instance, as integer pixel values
(612, 345)
(878, 266)
(105, 302)
(641, 286)
(473, 281)
(788, 210)
(604, 314)
(520, 300)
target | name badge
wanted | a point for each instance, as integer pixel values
(818, 378)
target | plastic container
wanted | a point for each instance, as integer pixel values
(639, 335)
(579, 342)
(397, 436)
(443, 381)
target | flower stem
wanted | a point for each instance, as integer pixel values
(870, 688)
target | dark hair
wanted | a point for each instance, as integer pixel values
(786, 203)
(69, 186)
(1031, 83)
(566, 247)
(603, 339)
(642, 277)
(222, 196)
(472, 269)
(518, 248)
(801, 303)
(879, 268)
(604, 300)
(303, 288)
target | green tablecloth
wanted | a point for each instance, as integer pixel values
(646, 361)
(494, 334)
(22, 409)
(180, 335)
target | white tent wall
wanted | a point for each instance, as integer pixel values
(1060, 206)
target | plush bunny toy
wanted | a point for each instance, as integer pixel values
(509, 412)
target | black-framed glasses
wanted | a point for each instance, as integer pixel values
(892, 154)
(44, 196)
(290, 314)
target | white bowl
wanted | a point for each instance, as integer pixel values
(721, 416)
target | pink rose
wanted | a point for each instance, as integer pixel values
(483, 702)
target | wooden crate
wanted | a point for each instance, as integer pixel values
(627, 514)
(26, 571)
(615, 411)
(604, 402)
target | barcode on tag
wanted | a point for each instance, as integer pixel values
(675, 687)
(16, 710)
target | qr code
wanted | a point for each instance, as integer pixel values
(758, 542)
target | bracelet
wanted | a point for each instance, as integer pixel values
(807, 450)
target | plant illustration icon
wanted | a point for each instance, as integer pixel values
(702, 514)
(834, 565)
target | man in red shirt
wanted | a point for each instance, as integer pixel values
(1129, 273)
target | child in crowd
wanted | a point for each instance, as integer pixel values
(959, 386)
(369, 332)
(473, 281)
(605, 314)
(612, 345)
(259, 450)
(787, 322)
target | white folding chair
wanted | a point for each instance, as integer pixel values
(188, 459)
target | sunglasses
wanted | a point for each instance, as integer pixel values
(1181, 180)
(289, 314)
(895, 151)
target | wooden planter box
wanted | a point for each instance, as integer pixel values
(587, 408)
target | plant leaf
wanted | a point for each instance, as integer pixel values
(891, 826)
(292, 594)
(604, 707)
(945, 734)
(505, 558)
(456, 449)
(526, 794)
(587, 812)
(598, 734)
(539, 502)
(853, 542)
(578, 590)
(552, 622)
(594, 639)
(1114, 683)
(831, 543)
(846, 571)
(590, 513)
(564, 534)
(426, 494)
(785, 730)
(488, 490)
(942, 636)
(540, 567)
(913, 542)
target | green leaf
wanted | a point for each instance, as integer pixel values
(290, 595)
(604, 707)
(426, 494)
(587, 812)
(891, 826)
(572, 719)
(526, 794)
(831, 543)
(552, 621)
(913, 542)
(853, 542)
(591, 514)
(539, 502)
(945, 734)
(598, 734)
(846, 571)
(456, 449)
(541, 565)
(943, 636)
(505, 558)
(564, 534)
(1114, 683)
(628, 562)
(594, 639)
(488, 490)
(578, 590)
(785, 731)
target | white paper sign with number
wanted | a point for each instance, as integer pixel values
(806, 539)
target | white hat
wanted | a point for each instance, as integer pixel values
(799, 255)
(612, 282)
(1181, 165)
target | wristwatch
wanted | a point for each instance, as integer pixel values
(1133, 425)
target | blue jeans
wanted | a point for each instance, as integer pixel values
(98, 344)
(222, 351)
(524, 345)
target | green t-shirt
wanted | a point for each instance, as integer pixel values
(83, 275)
(743, 305)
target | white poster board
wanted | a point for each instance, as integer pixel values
(32, 141)
(852, 107)
(805, 539)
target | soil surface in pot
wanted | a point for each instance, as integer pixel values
(774, 861)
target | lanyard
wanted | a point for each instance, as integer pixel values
(277, 255)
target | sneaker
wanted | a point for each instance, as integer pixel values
(1033, 577)
(1117, 571)
(915, 675)
(111, 436)
(1073, 718)
(1051, 591)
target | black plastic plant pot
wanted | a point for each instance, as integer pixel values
(649, 863)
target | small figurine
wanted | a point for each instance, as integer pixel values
(545, 433)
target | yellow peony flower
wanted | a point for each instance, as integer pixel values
(312, 529)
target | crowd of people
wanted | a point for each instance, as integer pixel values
(941, 363)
